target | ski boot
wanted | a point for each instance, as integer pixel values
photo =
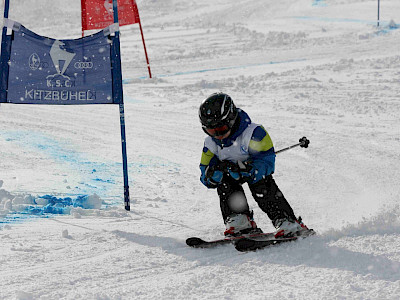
(289, 228)
(239, 224)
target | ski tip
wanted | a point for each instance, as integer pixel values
(194, 242)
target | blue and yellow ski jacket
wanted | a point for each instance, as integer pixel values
(249, 143)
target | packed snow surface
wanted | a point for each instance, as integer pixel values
(315, 68)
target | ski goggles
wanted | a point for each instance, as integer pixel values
(219, 131)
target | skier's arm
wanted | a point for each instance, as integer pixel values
(262, 154)
(208, 159)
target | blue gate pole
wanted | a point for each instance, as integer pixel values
(3, 61)
(378, 11)
(119, 93)
(6, 9)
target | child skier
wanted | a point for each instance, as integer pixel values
(238, 151)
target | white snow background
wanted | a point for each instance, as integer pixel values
(320, 69)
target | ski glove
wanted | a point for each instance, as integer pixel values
(213, 176)
(247, 170)
(231, 169)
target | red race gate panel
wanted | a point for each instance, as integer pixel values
(98, 14)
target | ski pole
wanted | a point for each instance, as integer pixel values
(303, 142)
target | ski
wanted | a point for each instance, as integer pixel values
(197, 242)
(262, 240)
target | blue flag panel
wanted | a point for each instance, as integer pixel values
(49, 71)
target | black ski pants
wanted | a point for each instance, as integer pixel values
(265, 192)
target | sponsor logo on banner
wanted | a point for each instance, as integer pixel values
(61, 59)
(34, 62)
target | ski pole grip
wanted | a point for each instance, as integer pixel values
(304, 142)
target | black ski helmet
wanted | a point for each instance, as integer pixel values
(217, 114)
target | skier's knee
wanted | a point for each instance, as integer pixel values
(237, 202)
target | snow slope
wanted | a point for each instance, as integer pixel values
(320, 69)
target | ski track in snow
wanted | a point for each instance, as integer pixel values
(317, 68)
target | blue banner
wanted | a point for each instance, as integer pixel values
(49, 71)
